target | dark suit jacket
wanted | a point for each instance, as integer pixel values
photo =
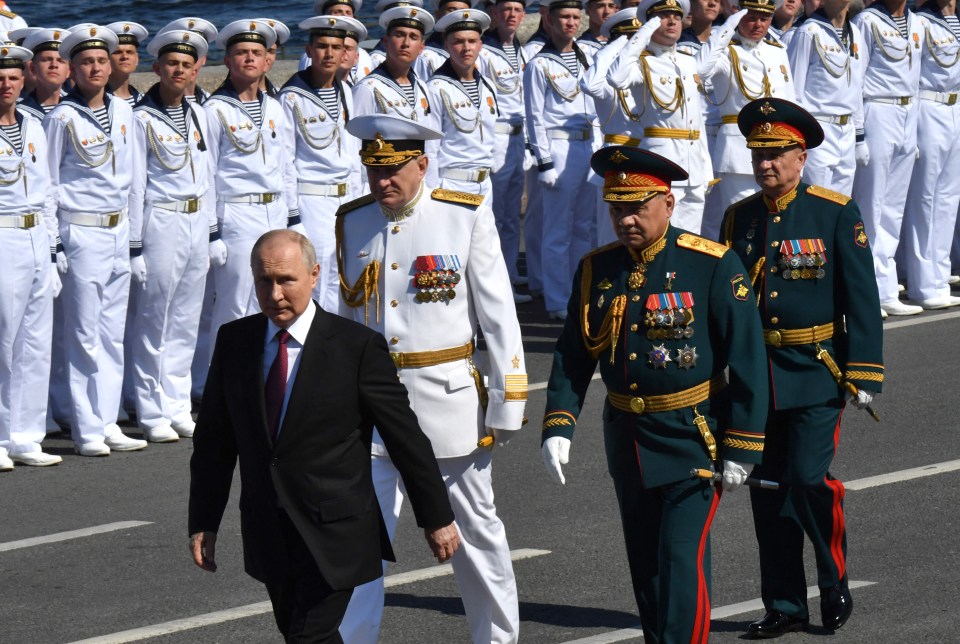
(319, 467)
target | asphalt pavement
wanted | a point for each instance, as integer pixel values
(97, 547)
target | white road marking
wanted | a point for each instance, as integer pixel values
(717, 613)
(71, 534)
(902, 475)
(260, 608)
(914, 321)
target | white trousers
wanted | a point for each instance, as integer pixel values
(482, 566)
(931, 214)
(26, 332)
(95, 293)
(833, 163)
(569, 220)
(318, 213)
(731, 189)
(507, 196)
(688, 209)
(175, 251)
(241, 225)
(533, 230)
(879, 186)
(204, 348)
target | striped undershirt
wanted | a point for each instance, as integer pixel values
(179, 118)
(473, 91)
(48, 108)
(511, 52)
(409, 92)
(954, 23)
(901, 22)
(131, 100)
(12, 132)
(103, 118)
(328, 95)
(253, 109)
(570, 61)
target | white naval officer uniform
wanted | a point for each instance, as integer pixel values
(533, 216)
(828, 79)
(91, 172)
(891, 83)
(436, 230)
(431, 58)
(172, 222)
(28, 238)
(560, 125)
(324, 160)
(931, 214)
(509, 147)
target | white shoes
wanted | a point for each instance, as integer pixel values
(6, 465)
(883, 314)
(184, 429)
(896, 307)
(521, 298)
(35, 459)
(901, 288)
(940, 303)
(557, 315)
(120, 442)
(159, 434)
(953, 279)
(92, 449)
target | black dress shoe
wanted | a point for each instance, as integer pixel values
(776, 623)
(836, 604)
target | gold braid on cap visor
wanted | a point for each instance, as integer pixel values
(631, 186)
(760, 6)
(379, 152)
(774, 135)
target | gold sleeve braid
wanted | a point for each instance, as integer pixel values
(613, 321)
(366, 285)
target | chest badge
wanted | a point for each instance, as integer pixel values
(659, 356)
(436, 277)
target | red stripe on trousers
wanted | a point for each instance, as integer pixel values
(839, 523)
(701, 628)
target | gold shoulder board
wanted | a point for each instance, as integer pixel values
(774, 42)
(603, 249)
(829, 195)
(7, 14)
(701, 245)
(353, 205)
(454, 196)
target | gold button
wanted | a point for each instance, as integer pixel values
(774, 320)
(394, 266)
(637, 405)
(773, 270)
(394, 303)
(632, 356)
(634, 327)
(776, 219)
(394, 340)
(773, 244)
(633, 386)
(635, 298)
(773, 294)
(396, 229)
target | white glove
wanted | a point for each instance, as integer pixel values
(861, 400)
(548, 178)
(734, 21)
(646, 31)
(138, 270)
(62, 266)
(734, 474)
(218, 253)
(529, 161)
(556, 452)
(56, 283)
(502, 436)
(862, 153)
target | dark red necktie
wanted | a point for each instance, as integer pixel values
(276, 384)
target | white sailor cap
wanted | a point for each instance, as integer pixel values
(178, 41)
(323, 6)
(82, 25)
(249, 30)
(463, 20)
(84, 38)
(335, 27)
(14, 57)
(415, 17)
(390, 140)
(283, 31)
(622, 22)
(197, 25)
(649, 8)
(383, 5)
(19, 35)
(41, 40)
(129, 33)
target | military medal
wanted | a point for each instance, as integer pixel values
(33, 152)
(802, 259)
(687, 357)
(436, 277)
(273, 131)
(668, 316)
(659, 356)
(669, 283)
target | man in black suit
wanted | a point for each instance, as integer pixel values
(294, 392)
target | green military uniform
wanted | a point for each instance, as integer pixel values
(811, 271)
(663, 323)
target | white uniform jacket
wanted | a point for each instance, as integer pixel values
(616, 110)
(556, 108)
(26, 176)
(508, 81)
(893, 62)
(362, 67)
(940, 70)
(442, 232)
(432, 57)
(379, 93)
(169, 167)
(590, 45)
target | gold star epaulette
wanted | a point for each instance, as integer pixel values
(829, 195)
(353, 205)
(701, 245)
(455, 196)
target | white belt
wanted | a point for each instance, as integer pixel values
(106, 220)
(186, 205)
(28, 220)
(895, 100)
(843, 119)
(459, 174)
(947, 98)
(266, 197)
(585, 134)
(322, 190)
(508, 128)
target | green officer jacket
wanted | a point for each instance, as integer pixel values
(810, 265)
(690, 309)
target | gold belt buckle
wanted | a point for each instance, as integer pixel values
(29, 221)
(637, 405)
(843, 119)
(267, 197)
(775, 338)
(903, 100)
(691, 133)
(397, 359)
(192, 205)
(341, 189)
(952, 98)
(482, 175)
(112, 219)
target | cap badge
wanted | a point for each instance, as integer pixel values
(126, 28)
(93, 31)
(56, 35)
(333, 21)
(191, 24)
(618, 157)
(253, 26)
(413, 13)
(766, 109)
(186, 37)
(4, 51)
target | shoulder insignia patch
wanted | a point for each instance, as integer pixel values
(859, 235)
(356, 203)
(739, 287)
(454, 196)
(701, 245)
(829, 195)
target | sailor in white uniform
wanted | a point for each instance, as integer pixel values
(379, 53)
(361, 65)
(90, 142)
(124, 61)
(208, 31)
(425, 270)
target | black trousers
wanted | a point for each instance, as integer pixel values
(304, 605)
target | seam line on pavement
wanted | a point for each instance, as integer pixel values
(71, 534)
